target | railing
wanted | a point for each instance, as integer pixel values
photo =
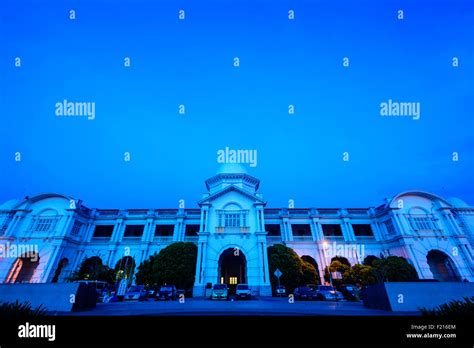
(298, 212)
(163, 239)
(274, 240)
(192, 239)
(229, 229)
(328, 211)
(357, 211)
(302, 238)
(101, 239)
(109, 212)
(137, 212)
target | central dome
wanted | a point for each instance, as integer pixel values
(231, 168)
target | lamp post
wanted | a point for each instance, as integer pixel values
(325, 245)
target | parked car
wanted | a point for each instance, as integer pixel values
(152, 291)
(243, 291)
(327, 292)
(304, 293)
(280, 290)
(220, 292)
(136, 292)
(166, 292)
(350, 292)
(102, 288)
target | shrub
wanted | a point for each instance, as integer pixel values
(9, 310)
(394, 269)
(453, 308)
(175, 264)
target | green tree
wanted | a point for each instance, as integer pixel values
(394, 269)
(313, 262)
(93, 269)
(310, 274)
(336, 266)
(369, 260)
(295, 271)
(175, 264)
(359, 275)
(288, 262)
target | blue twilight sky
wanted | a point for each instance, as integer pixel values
(190, 62)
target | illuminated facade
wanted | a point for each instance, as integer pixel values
(45, 237)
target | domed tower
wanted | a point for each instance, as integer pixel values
(232, 246)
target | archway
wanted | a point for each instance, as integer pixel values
(23, 269)
(232, 268)
(59, 269)
(442, 266)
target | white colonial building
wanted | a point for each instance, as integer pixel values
(44, 238)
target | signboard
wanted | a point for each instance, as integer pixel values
(277, 273)
(336, 275)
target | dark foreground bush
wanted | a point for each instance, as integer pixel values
(451, 309)
(20, 310)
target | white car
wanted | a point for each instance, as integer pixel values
(243, 291)
(219, 292)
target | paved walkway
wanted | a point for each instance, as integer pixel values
(262, 306)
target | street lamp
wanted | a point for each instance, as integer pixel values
(325, 245)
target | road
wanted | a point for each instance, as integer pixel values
(260, 307)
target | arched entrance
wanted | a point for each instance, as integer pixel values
(442, 267)
(23, 269)
(59, 269)
(232, 268)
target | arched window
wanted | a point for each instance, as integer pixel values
(45, 222)
(232, 217)
(421, 220)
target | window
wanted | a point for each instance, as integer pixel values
(103, 231)
(133, 231)
(4, 222)
(164, 230)
(301, 230)
(362, 230)
(233, 280)
(273, 229)
(422, 223)
(389, 226)
(191, 230)
(76, 228)
(231, 220)
(332, 230)
(44, 224)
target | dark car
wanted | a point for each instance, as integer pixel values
(136, 292)
(327, 292)
(350, 292)
(304, 293)
(166, 292)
